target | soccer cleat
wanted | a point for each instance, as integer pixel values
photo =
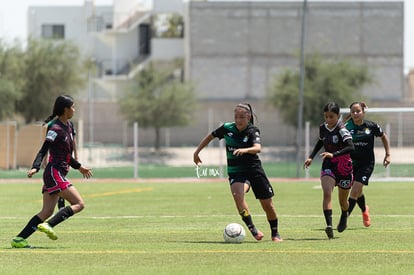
(329, 232)
(19, 242)
(277, 238)
(258, 235)
(342, 223)
(48, 230)
(365, 217)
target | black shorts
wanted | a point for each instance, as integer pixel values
(363, 171)
(257, 180)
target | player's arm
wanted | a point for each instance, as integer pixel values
(255, 149)
(315, 150)
(86, 172)
(75, 150)
(349, 147)
(203, 143)
(39, 158)
(386, 143)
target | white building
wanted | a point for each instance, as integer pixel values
(118, 40)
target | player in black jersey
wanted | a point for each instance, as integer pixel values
(363, 158)
(244, 167)
(58, 143)
(336, 165)
(61, 201)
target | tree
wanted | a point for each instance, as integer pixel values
(340, 81)
(51, 68)
(168, 25)
(156, 100)
(11, 78)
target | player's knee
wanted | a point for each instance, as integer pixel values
(81, 206)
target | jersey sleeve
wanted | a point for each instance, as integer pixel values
(345, 134)
(72, 127)
(51, 135)
(40, 155)
(74, 163)
(255, 136)
(377, 130)
(219, 132)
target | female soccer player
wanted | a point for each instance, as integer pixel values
(363, 158)
(244, 167)
(59, 144)
(61, 201)
(336, 165)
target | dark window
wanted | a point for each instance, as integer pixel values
(53, 31)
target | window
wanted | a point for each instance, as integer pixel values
(53, 31)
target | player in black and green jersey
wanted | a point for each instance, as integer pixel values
(244, 167)
(363, 158)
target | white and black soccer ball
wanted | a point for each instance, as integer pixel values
(234, 233)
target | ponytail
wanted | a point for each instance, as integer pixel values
(347, 117)
(251, 113)
(49, 118)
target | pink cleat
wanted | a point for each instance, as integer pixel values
(365, 217)
(259, 235)
(277, 238)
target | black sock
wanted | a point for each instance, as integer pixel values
(60, 216)
(273, 227)
(247, 218)
(61, 203)
(328, 216)
(30, 227)
(361, 203)
(352, 203)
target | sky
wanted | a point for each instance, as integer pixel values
(13, 23)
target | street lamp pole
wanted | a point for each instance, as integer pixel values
(299, 133)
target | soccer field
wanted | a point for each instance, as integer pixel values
(175, 227)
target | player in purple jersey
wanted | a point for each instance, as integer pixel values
(61, 201)
(336, 166)
(363, 158)
(59, 144)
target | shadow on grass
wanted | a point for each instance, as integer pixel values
(33, 248)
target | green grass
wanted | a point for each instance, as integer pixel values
(273, 170)
(152, 227)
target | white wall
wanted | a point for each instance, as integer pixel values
(74, 18)
(167, 48)
(168, 6)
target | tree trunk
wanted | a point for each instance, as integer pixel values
(157, 138)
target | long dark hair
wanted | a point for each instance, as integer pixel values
(248, 108)
(61, 102)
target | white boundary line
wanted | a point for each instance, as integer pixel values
(203, 216)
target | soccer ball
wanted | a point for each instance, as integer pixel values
(234, 233)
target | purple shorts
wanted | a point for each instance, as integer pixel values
(339, 168)
(54, 180)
